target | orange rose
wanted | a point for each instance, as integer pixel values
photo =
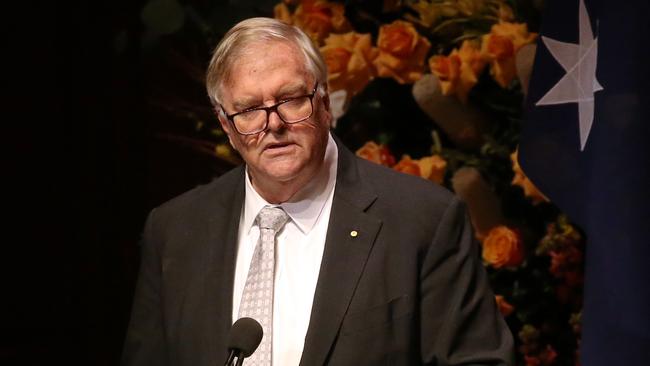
(431, 167)
(337, 59)
(546, 357)
(459, 72)
(349, 61)
(281, 12)
(501, 45)
(521, 180)
(516, 32)
(503, 247)
(447, 69)
(401, 52)
(376, 153)
(319, 18)
(408, 166)
(504, 307)
(501, 52)
(532, 361)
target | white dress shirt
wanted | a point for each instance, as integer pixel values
(298, 255)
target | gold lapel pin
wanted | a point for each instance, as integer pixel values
(354, 233)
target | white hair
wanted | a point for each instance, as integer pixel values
(254, 30)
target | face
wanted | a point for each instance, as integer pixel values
(284, 153)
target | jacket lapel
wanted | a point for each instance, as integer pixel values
(222, 240)
(350, 236)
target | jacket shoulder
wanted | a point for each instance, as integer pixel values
(388, 183)
(414, 202)
(219, 191)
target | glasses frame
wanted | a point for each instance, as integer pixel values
(273, 108)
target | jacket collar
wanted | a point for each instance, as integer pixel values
(350, 237)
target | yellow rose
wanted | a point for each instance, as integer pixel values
(459, 72)
(401, 52)
(431, 167)
(520, 179)
(378, 154)
(504, 307)
(502, 247)
(349, 59)
(500, 47)
(319, 18)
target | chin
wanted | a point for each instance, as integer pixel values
(284, 171)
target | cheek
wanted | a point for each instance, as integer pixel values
(245, 145)
(310, 137)
(248, 142)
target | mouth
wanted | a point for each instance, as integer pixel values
(278, 147)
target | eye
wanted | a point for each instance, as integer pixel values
(251, 108)
(286, 99)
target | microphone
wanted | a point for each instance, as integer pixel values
(243, 339)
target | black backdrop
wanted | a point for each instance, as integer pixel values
(82, 169)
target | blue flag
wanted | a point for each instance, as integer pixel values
(586, 145)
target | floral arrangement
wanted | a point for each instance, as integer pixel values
(435, 88)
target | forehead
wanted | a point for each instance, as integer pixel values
(263, 65)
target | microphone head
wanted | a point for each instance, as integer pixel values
(245, 335)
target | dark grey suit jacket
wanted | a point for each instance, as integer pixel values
(409, 289)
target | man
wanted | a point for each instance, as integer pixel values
(368, 266)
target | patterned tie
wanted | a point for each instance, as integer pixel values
(257, 299)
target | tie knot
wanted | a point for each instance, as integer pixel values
(272, 218)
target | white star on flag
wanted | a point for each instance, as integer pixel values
(579, 83)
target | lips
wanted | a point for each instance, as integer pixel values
(278, 147)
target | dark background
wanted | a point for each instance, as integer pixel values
(83, 168)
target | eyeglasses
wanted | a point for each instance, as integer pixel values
(291, 110)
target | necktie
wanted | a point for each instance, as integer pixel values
(257, 298)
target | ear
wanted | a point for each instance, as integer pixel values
(325, 95)
(326, 101)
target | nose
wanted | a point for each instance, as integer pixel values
(275, 123)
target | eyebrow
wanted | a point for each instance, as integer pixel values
(292, 89)
(245, 103)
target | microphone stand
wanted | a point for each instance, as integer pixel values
(240, 360)
(231, 357)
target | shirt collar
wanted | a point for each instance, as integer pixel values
(306, 205)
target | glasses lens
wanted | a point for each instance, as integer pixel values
(295, 110)
(250, 122)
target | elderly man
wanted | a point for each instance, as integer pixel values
(342, 261)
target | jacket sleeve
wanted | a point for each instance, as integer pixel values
(145, 340)
(460, 322)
